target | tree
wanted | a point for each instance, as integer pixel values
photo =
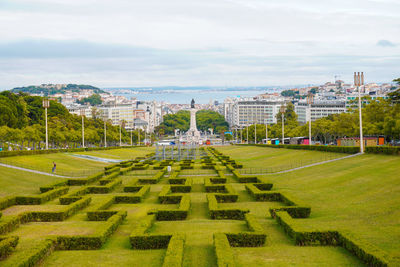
(93, 100)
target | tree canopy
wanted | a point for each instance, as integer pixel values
(181, 120)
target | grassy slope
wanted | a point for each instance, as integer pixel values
(14, 181)
(265, 157)
(66, 164)
(123, 153)
(360, 195)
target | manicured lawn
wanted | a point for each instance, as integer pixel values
(360, 195)
(275, 159)
(67, 165)
(123, 153)
(19, 182)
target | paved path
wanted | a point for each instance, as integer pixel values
(34, 171)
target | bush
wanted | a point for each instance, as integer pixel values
(32, 256)
(174, 255)
(224, 214)
(223, 251)
(7, 245)
(246, 239)
(139, 239)
(387, 150)
(42, 198)
(336, 149)
(95, 241)
(104, 189)
(175, 214)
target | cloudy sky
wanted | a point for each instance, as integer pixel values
(203, 42)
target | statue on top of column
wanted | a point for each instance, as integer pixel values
(192, 103)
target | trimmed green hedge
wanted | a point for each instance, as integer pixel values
(336, 149)
(94, 241)
(366, 252)
(223, 251)
(174, 255)
(387, 150)
(140, 239)
(7, 245)
(174, 214)
(155, 179)
(32, 256)
(104, 189)
(32, 200)
(224, 213)
(259, 191)
(42, 198)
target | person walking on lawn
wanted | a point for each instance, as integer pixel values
(54, 167)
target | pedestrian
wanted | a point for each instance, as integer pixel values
(54, 167)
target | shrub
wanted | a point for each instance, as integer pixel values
(42, 198)
(383, 150)
(221, 213)
(336, 149)
(95, 241)
(7, 245)
(175, 214)
(174, 255)
(139, 239)
(104, 189)
(32, 256)
(223, 251)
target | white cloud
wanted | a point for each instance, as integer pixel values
(208, 34)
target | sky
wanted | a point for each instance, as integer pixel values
(123, 43)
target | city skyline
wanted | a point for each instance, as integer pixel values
(190, 43)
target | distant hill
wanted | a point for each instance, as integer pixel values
(51, 89)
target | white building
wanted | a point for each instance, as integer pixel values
(318, 109)
(246, 111)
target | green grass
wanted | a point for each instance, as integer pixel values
(66, 164)
(123, 153)
(359, 194)
(17, 182)
(275, 159)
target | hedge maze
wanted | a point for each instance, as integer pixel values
(173, 219)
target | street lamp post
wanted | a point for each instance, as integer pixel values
(120, 134)
(247, 138)
(310, 99)
(83, 126)
(105, 133)
(46, 105)
(131, 138)
(358, 82)
(138, 136)
(266, 129)
(241, 133)
(283, 109)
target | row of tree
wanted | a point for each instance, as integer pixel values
(22, 125)
(206, 119)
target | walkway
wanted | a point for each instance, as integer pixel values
(34, 171)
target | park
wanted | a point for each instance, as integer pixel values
(236, 205)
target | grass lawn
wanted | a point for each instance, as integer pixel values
(17, 182)
(123, 153)
(359, 194)
(66, 164)
(275, 159)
